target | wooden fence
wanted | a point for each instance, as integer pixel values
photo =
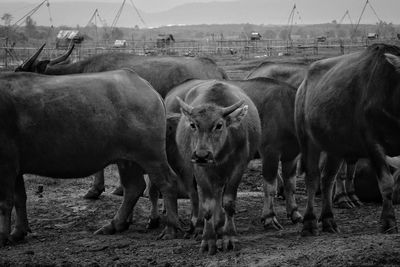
(12, 57)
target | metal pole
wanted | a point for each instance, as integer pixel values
(5, 54)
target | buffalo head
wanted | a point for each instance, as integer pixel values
(32, 64)
(209, 128)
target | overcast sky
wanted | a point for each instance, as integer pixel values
(276, 11)
(145, 5)
(161, 5)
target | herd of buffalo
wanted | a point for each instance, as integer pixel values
(181, 121)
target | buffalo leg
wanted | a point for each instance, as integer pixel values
(210, 195)
(97, 187)
(132, 181)
(154, 220)
(329, 172)
(289, 180)
(190, 185)
(194, 200)
(198, 223)
(213, 220)
(7, 187)
(164, 178)
(270, 170)
(310, 157)
(341, 199)
(386, 183)
(21, 228)
(229, 233)
(350, 189)
(280, 186)
(396, 190)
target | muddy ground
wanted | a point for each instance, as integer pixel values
(63, 223)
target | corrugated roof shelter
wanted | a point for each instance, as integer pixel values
(255, 36)
(120, 43)
(164, 40)
(65, 37)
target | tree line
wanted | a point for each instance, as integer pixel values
(30, 32)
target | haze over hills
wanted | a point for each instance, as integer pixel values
(72, 13)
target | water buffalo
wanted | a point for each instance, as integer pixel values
(74, 125)
(163, 73)
(293, 73)
(219, 132)
(347, 107)
(274, 101)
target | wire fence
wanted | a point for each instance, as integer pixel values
(11, 57)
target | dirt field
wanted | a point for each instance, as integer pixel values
(63, 223)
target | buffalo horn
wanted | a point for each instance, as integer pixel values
(394, 60)
(62, 57)
(185, 107)
(29, 62)
(228, 110)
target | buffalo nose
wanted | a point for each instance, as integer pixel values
(202, 156)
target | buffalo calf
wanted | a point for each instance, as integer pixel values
(218, 133)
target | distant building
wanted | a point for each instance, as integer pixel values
(65, 38)
(372, 35)
(120, 43)
(165, 40)
(255, 36)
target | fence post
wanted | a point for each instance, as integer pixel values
(341, 47)
(316, 47)
(5, 55)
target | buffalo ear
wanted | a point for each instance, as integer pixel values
(394, 60)
(186, 109)
(234, 119)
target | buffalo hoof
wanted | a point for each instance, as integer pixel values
(329, 225)
(296, 217)
(344, 203)
(18, 235)
(118, 191)
(209, 246)
(230, 243)
(188, 233)
(3, 240)
(355, 200)
(270, 222)
(281, 193)
(94, 193)
(309, 228)
(112, 228)
(198, 232)
(153, 223)
(168, 233)
(389, 226)
(194, 232)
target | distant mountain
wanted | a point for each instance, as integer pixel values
(239, 11)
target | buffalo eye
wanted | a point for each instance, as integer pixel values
(192, 126)
(218, 126)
